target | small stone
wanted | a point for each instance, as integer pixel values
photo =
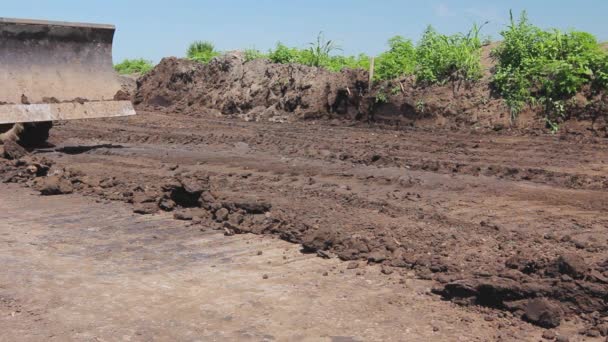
(488, 319)
(260, 252)
(325, 274)
(562, 338)
(265, 276)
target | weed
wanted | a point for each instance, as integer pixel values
(420, 106)
(201, 51)
(252, 54)
(133, 66)
(318, 52)
(441, 58)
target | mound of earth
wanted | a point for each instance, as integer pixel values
(261, 90)
(254, 90)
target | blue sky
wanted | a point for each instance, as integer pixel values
(153, 29)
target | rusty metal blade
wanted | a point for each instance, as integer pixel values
(56, 71)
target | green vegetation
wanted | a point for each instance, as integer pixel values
(441, 58)
(399, 60)
(547, 67)
(201, 51)
(535, 67)
(133, 66)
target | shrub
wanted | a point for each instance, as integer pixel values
(284, 54)
(441, 58)
(133, 66)
(201, 51)
(398, 61)
(546, 67)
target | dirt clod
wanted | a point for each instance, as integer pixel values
(572, 265)
(54, 185)
(12, 150)
(543, 313)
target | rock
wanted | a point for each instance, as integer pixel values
(549, 335)
(573, 265)
(562, 338)
(221, 215)
(54, 185)
(541, 312)
(13, 151)
(145, 208)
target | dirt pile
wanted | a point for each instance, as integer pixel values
(261, 90)
(255, 90)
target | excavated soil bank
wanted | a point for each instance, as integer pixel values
(255, 90)
(259, 90)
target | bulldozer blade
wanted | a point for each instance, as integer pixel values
(58, 71)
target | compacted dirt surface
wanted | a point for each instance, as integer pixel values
(429, 235)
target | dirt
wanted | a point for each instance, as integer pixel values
(254, 90)
(259, 90)
(497, 220)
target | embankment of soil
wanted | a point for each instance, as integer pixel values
(259, 90)
(255, 90)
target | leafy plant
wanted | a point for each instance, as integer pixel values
(381, 96)
(398, 61)
(441, 58)
(133, 66)
(201, 51)
(284, 54)
(546, 67)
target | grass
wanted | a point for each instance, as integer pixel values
(201, 51)
(133, 66)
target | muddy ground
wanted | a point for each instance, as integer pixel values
(513, 224)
